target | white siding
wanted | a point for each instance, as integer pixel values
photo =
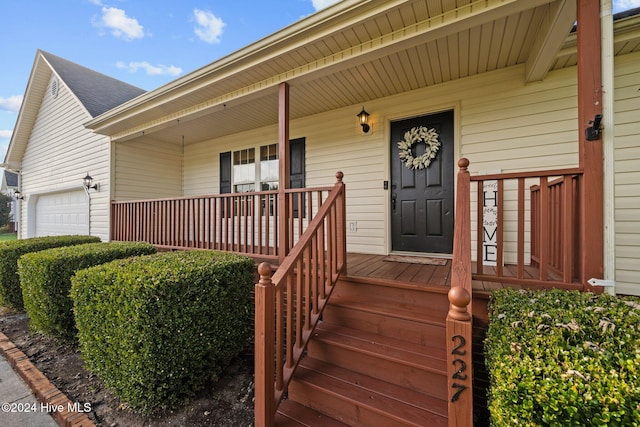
(59, 154)
(501, 125)
(147, 170)
(510, 126)
(627, 173)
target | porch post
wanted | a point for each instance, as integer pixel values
(590, 152)
(283, 171)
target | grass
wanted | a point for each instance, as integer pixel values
(7, 236)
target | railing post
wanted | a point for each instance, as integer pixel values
(342, 225)
(459, 359)
(461, 262)
(459, 317)
(264, 348)
(113, 222)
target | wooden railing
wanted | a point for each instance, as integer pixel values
(559, 214)
(237, 222)
(289, 304)
(459, 321)
(549, 258)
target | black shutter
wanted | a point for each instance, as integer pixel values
(296, 170)
(225, 172)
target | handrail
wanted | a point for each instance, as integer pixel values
(528, 174)
(459, 318)
(289, 305)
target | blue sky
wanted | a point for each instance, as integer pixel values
(144, 43)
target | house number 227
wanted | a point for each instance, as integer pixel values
(460, 365)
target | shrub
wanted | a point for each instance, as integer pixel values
(155, 328)
(563, 358)
(11, 251)
(45, 279)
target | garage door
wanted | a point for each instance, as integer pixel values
(62, 213)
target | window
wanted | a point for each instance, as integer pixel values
(269, 167)
(244, 170)
(241, 171)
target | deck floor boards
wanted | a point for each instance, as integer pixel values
(374, 266)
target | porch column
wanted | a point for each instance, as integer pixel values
(283, 171)
(591, 153)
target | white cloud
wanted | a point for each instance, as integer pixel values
(208, 26)
(120, 24)
(151, 70)
(11, 103)
(5, 134)
(620, 5)
(321, 4)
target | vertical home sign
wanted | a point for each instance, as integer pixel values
(490, 222)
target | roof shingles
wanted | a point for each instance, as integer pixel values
(97, 92)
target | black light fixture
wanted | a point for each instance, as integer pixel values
(592, 133)
(18, 195)
(364, 120)
(88, 183)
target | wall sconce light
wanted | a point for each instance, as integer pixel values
(363, 117)
(18, 195)
(592, 133)
(88, 183)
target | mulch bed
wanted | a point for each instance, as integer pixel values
(225, 402)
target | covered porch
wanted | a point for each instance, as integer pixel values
(528, 189)
(181, 153)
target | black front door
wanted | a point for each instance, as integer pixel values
(422, 198)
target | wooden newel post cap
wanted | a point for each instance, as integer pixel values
(339, 176)
(264, 270)
(463, 163)
(459, 299)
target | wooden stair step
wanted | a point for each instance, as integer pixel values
(412, 331)
(391, 309)
(293, 414)
(358, 399)
(413, 325)
(431, 356)
(429, 298)
(408, 365)
(392, 391)
(376, 281)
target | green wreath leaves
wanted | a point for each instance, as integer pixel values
(413, 136)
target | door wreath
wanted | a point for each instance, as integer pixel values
(413, 136)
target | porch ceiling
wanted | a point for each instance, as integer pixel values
(347, 55)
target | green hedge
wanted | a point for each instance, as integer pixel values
(45, 279)
(11, 251)
(563, 358)
(155, 328)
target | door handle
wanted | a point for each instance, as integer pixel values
(393, 201)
